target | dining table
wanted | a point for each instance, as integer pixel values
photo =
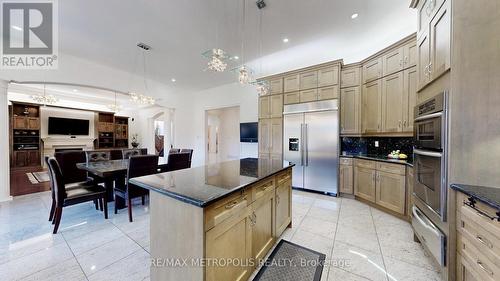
(114, 172)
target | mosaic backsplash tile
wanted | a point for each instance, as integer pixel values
(366, 145)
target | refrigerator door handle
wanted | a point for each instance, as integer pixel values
(301, 145)
(306, 149)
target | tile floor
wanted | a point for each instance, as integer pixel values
(361, 243)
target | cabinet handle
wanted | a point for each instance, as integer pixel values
(484, 241)
(426, 72)
(399, 125)
(406, 59)
(277, 199)
(483, 267)
(400, 62)
(234, 203)
(404, 124)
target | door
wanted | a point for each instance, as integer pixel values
(350, 111)
(346, 179)
(293, 146)
(33, 158)
(20, 158)
(372, 98)
(392, 103)
(262, 223)
(393, 61)
(372, 70)
(232, 239)
(283, 207)
(423, 56)
(264, 107)
(328, 76)
(291, 83)
(328, 93)
(390, 191)
(364, 183)
(276, 136)
(410, 98)
(321, 151)
(264, 135)
(309, 80)
(276, 106)
(440, 42)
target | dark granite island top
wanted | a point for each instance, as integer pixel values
(488, 195)
(201, 186)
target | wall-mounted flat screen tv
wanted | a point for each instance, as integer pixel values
(249, 132)
(67, 126)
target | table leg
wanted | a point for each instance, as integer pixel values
(109, 184)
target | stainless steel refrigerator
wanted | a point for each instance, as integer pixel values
(311, 142)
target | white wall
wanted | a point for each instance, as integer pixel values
(190, 117)
(4, 144)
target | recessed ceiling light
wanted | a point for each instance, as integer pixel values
(285, 40)
(16, 27)
(75, 90)
(354, 16)
(236, 57)
(173, 80)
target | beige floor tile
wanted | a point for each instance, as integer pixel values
(359, 261)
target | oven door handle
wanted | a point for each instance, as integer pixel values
(430, 116)
(424, 221)
(427, 153)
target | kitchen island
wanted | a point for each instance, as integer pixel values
(216, 222)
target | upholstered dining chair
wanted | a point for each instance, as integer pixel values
(97, 155)
(138, 166)
(83, 192)
(127, 153)
(174, 150)
(178, 161)
(190, 151)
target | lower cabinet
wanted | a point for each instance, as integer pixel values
(390, 191)
(364, 183)
(262, 225)
(283, 206)
(26, 158)
(346, 176)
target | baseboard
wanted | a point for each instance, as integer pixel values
(6, 199)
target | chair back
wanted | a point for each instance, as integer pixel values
(190, 151)
(67, 161)
(178, 161)
(115, 154)
(174, 150)
(98, 156)
(51, 182)
(127, 153)
(57, 181)
(142, 165)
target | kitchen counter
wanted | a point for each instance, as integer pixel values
(487, 195)
(382, 158)
(203, 185)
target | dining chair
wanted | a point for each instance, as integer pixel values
(190, 151)
(174, 150)
(97, 155)
(83, 192)
(127, 153)
(138, 166)
(178, 161)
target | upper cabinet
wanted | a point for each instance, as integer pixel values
(350, 77)
(350, 111)
(291, 83)
(409, 98)
(393, 61)
(276, 86)
(264, 107)
(410, 54)
(328, 76)
(372, 70)
(309, 80)
(372, 107)
(271, 106)
(392, 103)
(328, 93)
(423, 60)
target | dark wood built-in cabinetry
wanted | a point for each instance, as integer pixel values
(112, 131)
(25, 135)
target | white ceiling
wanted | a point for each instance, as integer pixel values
(179, 31)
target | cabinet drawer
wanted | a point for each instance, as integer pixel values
(486, 224)
(477, 261)
(291, 98)
(309, 80)
(366, 164)
(309, 95)
(345, 161)
(262, 189)
(225, 208)
(391, 168)
(283, 177)
(328, 93)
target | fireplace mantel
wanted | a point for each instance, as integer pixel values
(50, 144)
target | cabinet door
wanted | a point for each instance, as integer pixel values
(350, 77)
(283, 207)
(393, 61)
(264, 135)
(346, 179)
(33, 158)
(410, 54)
(423, 55)
(350, 111)
(464, 271)
(372, 70)
(423, 17)
(232, 239)
(308, 95)
(291, 83)
(391, 191)
(276, 86)
(328, 93)
(392, 103)
(20, 158)
(309, 80)
(276, 106)
(264, 107)
(263, 214)
(20, 122)
(364, 183)
(410, 98)
(33, 123)
(372, 112)
(328, 76)
(440, 42)
(291, 98)
(276, 136)
(409, 190)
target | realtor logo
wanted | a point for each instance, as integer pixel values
(29, 38)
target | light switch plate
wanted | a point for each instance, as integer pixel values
(376, 144)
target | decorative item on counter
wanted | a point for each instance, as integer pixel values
(135, 141)
(395, 154)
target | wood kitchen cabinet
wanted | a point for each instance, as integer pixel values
(283, 199)
(410, 54)
(26, 158)
(392, 61)
(410, 80)
(271, 135)
(26, 123)
(372, 107)
(308, 80)
(328, 93)
(364, 183)
(291, 83)
(271, 106)
(290, 98)
(308, 95)
(390, 191)
(276, 86)
(372, 70)
(262, 223)
(328, 76)
(440, 41)
(350, 111)
(346, 177)
(264, 107)
(393, 103)
(423, 60)
(350, 77)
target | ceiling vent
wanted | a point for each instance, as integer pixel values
(261, 4)
(144, 46)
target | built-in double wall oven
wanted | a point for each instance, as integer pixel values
(430, 181)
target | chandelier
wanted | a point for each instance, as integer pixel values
(217, 60)
(142, 99)
(115, 107)
(44, 99)
(262, 88)
(244, 75)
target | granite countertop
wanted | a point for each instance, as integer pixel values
(203, 185)
(488, 195)
(383, 158)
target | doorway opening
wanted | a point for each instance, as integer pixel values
(222, 141)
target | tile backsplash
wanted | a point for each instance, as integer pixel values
(366, 145)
